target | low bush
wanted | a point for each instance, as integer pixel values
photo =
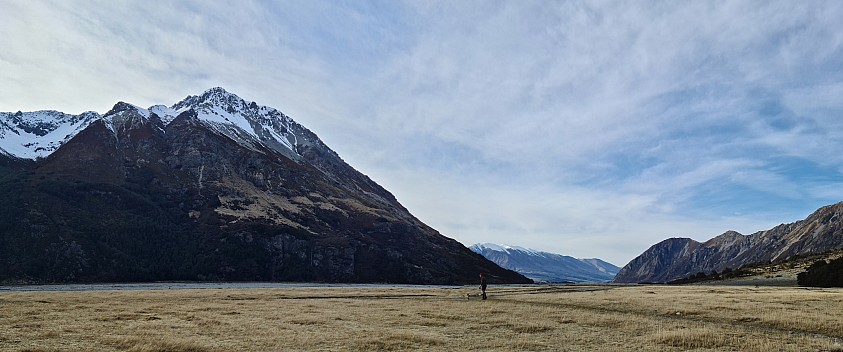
(823, 274)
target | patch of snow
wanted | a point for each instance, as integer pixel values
(492, 246)
(144, 112)
(237, 134)
(166, 114)
(522, 249)
(282, 139)
(37, 134)
(507, 248)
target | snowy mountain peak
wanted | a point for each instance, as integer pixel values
(251, 125)
(259, 128)
(219, 93)
(123, 107)
(214, 97)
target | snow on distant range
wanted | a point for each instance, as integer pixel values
(30, 135)
(165, 113)
(547, 267)
(506, 248)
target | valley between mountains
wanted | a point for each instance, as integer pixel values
(215, 187)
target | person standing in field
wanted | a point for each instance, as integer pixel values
(482, 286)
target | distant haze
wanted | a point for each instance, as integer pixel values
(592, 129)
(547, 267)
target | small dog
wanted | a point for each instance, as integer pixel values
(477, 295)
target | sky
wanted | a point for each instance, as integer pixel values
(585, 128)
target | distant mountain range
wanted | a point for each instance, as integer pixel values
(677, 258)
(547, 267)
(213, 187)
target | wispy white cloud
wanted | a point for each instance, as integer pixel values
(667, 103)
(87, 55)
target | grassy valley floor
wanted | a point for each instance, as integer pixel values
(543, 318)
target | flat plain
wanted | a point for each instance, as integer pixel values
(531, 318)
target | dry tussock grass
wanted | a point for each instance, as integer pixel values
(567, 318)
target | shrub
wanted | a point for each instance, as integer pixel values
(823, 274)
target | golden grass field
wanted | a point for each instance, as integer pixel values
(542, 318)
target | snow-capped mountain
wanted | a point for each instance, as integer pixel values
(30, 135)
(213, 187)
(547, 267)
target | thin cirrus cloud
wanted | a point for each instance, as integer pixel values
(589, 129)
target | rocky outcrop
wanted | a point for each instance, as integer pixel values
(662, 261)
(678, 258)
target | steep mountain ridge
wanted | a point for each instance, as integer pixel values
(545, 266)
(211, 188)
(677, 258)
(245, 122)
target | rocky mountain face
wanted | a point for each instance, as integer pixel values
(547, 267)
(677, 258)
(210, 188)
